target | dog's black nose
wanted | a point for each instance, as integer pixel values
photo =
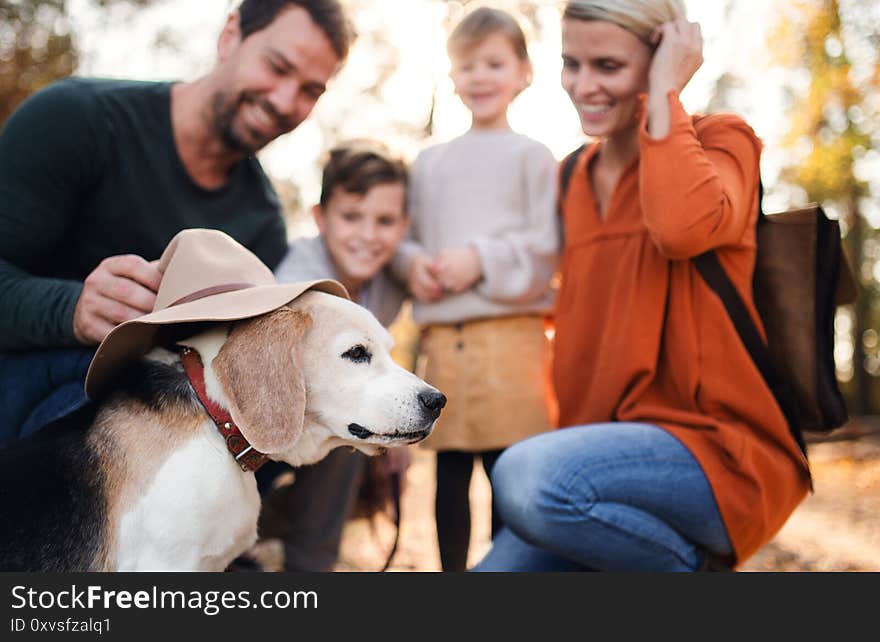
(432, 400)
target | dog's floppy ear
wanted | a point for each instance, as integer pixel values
(259, 369)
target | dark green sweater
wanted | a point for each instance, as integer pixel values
(89, 169)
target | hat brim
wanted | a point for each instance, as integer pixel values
(132, 339)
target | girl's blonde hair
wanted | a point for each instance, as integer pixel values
(481, 23)
(639, 17)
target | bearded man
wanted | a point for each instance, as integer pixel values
(97, 176)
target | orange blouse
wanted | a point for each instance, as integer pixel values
(640, 337)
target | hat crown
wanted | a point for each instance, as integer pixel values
(202, 260)
(206, 277)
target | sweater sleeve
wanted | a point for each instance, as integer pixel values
(49, 157)
(411, 245)
(698, 192)
(518, 265)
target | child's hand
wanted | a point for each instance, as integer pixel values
(458, 268)
(423, 281)
(677, 58)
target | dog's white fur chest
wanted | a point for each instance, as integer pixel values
(198, 512)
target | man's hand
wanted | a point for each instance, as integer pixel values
(119, 289)
(423, 281)
(458, 268)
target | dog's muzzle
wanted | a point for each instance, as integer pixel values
(431, 402)
(411, 436)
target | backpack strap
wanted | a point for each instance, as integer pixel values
(716, 278)
(568, 164)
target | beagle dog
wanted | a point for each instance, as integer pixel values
(146, 481)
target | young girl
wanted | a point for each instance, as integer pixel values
(680, 459)
(483, 248)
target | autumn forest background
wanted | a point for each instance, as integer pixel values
(821, 57)
(804, 73)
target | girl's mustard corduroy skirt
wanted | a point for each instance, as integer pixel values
(495, 375)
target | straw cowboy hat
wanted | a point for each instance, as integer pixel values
(206, 276)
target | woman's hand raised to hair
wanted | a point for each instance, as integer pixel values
(678, 56)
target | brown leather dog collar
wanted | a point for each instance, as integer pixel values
(246, 456)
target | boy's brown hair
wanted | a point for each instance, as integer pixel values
(358, 166)
(481, 23)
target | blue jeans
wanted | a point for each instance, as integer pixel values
(611, 497)
(36, 388)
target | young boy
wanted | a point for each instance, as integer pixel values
(361, 218)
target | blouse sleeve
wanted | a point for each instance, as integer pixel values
(698, 192)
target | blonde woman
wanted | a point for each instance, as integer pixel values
(679, 458)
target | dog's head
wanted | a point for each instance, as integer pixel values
(317, 374)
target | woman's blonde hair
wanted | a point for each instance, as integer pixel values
(639, 17)
(480, 23)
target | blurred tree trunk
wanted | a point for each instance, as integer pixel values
(37, 47)
(833, 113)
(861, 393)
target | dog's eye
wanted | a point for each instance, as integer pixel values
(358, 354)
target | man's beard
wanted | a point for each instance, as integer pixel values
(224, 111)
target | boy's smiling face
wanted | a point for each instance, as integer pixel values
(362, 231)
